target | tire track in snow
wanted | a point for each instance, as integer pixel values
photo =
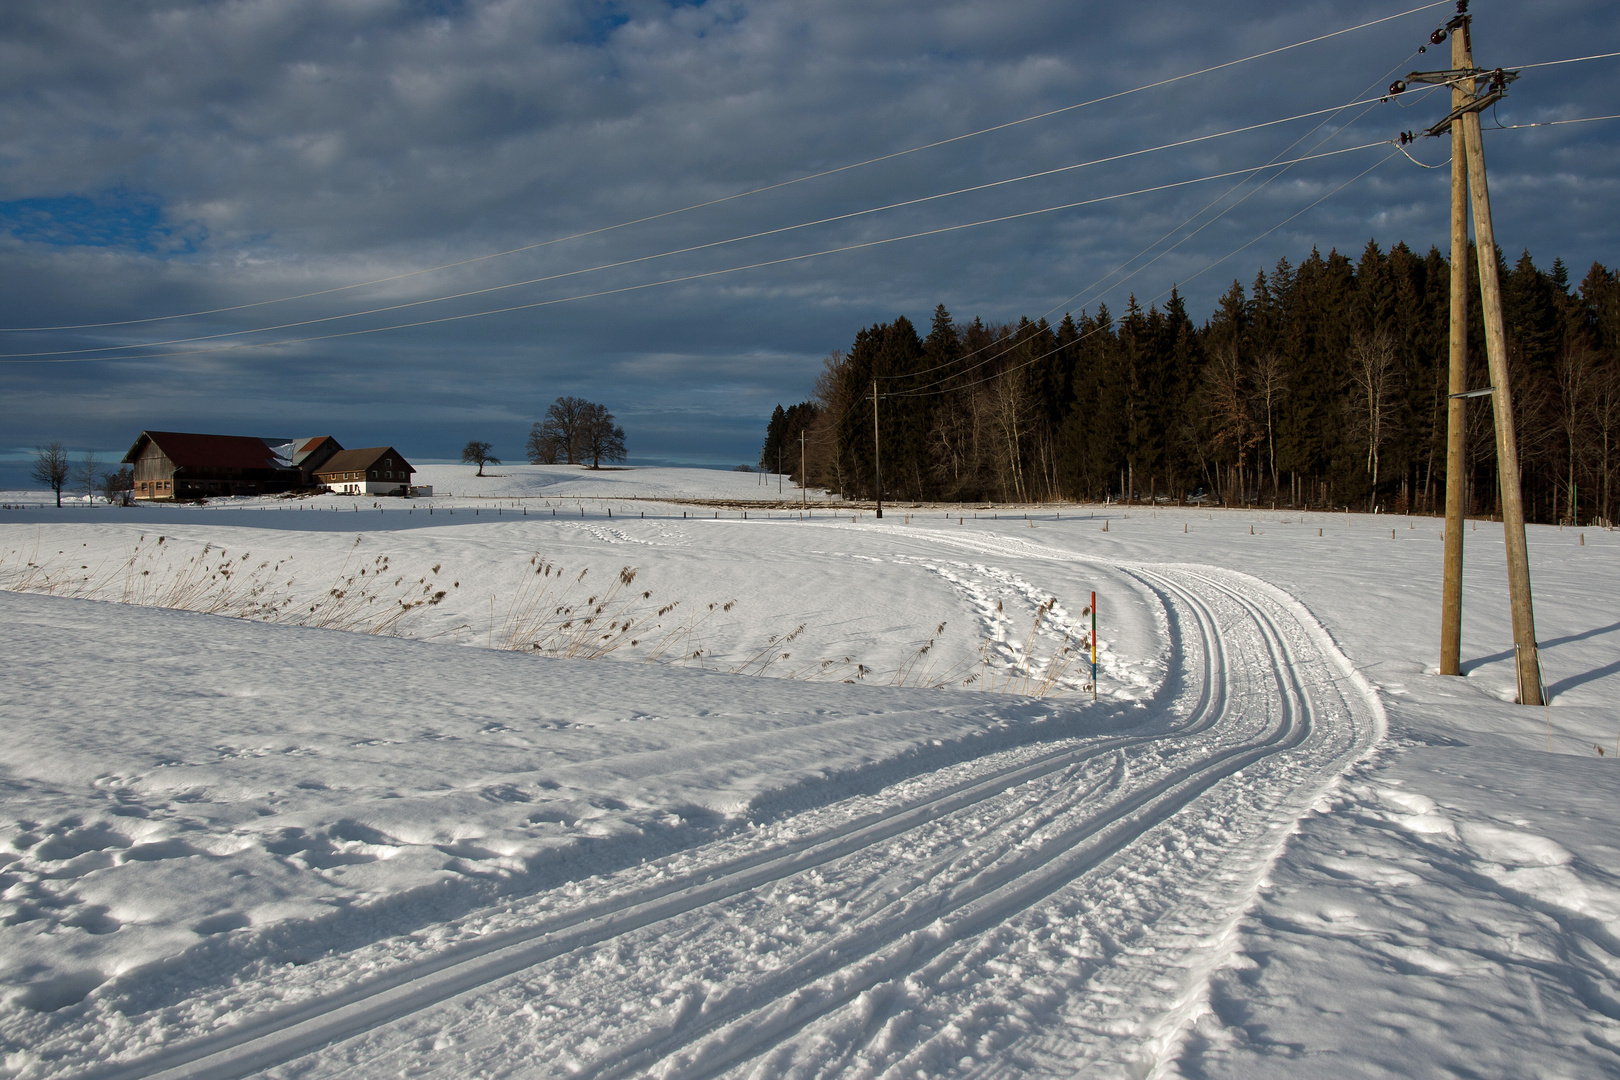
(1217, 737)
(981, 903)
(281, 1036)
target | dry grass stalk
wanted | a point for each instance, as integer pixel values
(546, 614)
(211, 581)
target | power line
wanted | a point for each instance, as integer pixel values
(745, 194)
(621, 263)
(1010, 346)
(1064, 304)
(1555, 123)
(928, 391)
(1555, 63)
(1251, 193)
(939, 231)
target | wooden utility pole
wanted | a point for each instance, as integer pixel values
(1457, 406)
(877, 451)
(1470, 98)
(804, 478)
(1507, 444)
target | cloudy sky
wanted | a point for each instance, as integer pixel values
(217, 216)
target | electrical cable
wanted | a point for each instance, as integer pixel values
(1420, 164)
(1253, 191)
(928, 391)
(1555, 63)
(621, 263)
(1095, 285)
(939, 231)
(745, 194)
(1554, 123)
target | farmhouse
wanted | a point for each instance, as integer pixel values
(185, 465)
(376, 470)
(171, 465)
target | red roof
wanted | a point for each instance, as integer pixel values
(188, 450)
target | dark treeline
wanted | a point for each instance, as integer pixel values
(1321, 385)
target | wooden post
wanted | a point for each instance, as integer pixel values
(1507, 447)
(1456, 407)
(804, 479)
(877, 450)
(1094, 641)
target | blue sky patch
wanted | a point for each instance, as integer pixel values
(117, 218)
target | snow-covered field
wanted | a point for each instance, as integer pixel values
(791, 825)
(460, 485)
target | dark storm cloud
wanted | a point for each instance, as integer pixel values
(158, 158)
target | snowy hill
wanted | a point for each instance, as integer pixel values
(787, 823)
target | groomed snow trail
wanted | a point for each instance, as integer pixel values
(1046, 909)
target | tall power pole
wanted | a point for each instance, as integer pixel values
(1457, 406)
(1470, 98)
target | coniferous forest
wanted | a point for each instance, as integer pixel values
(1321, 385)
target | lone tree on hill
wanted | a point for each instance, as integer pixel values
(480, 454)
(556, 438)
(51, 467)
(600, 439)
(574, 431)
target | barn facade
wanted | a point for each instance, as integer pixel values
(179, 466)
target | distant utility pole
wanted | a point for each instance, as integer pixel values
(877, 450)
(804, 478)
(1474, 90)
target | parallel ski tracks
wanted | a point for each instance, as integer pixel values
(1099, 817)
(823, 982)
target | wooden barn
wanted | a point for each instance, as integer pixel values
(171, 465)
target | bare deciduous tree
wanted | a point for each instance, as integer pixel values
(51, 467)
(557, 437)
(1269, 385)
(834, 398)
(87, 475)
(1226, 397)
(480, 454)
(1575, 371)
(1376, 377)
(599, 438)
(1011, 407)
(1606, 433)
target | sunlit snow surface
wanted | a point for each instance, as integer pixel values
(1276, 845)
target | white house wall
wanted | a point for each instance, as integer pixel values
(366, 487)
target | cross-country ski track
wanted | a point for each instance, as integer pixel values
(1051, 907)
